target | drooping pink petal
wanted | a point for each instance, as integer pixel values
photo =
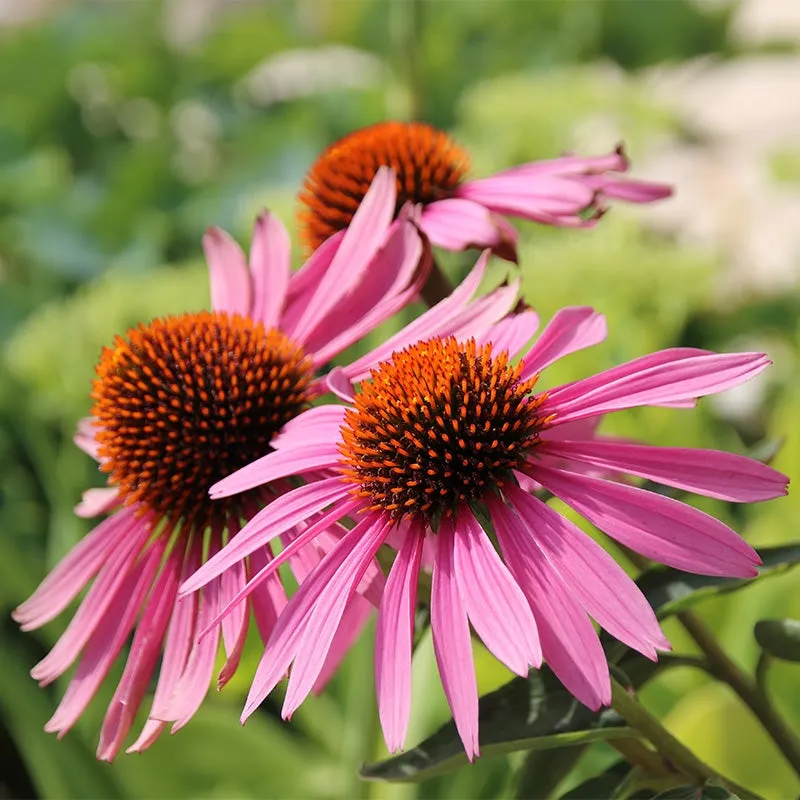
(177, 646)
(569, 642)
(234, 624)
(394, 640)
(278, 517)
(360, 242)
(291, 625)
(97, 501)
(713, 473)
(95, 605)
(615, 161)
(142, 661)
(270, 268)
(457, 224)
(86, 437)
(227, 273)
(67, 579)
(658, 527)
(484, 313)
(632, 191)
(655, 381)
(570, 330)
(106, 640)
(517, 194)
(494, 603)
(326, 614)
(440, 317)
(511, 333)
(451, 641)
(598, 583)
(268, 599)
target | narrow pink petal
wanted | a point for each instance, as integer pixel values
(144, 654)
(278, 517)
(393, 271)
(97, 501)
(451, 641)
(195, 679)
(659, 382)
(337, 382)
(355, 618)
(227, 272)
(268, 599)
(235, 624)
(68, 578)
(394, 639)
(614, 161)
(291, 625)
(511, 333)
(270, 267)
(713, 473)
(570, 330)
(85, 437)
(361, 240)
(107, 638)
(319, 422)
(485, 312)
(177, 647)
(521, 195)
(632, 191)
(569, 642)
(457, 224)
(436, 321)
(94, 607)
(494, 603)
(279, 464)
(292, 552)
(597, 582)
(326, 614)
(655, 526)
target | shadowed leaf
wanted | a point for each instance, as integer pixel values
(779, 637)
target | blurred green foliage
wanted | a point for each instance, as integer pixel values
(123, 136)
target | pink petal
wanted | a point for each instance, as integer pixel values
(361, 240)
(177, 647)
(292, 623)
(268, 599)
(320, 422)
(106, 640)
(485, 312)
(436, 321)
(658, 527)
(338, 383)
(144, 654)
(68, 578)
(601, 586)
(494, 603)
(394, 639)
(235, 624)
(456, 224)
(85, 437)
(570, 330)
(511, 333)
(632, 191)
(97, 501)
(569, 642)
(227, 272)
(451, 641)
(614, 161)
(726, 476)
(95, 606)
(655, 381)
(270, 267)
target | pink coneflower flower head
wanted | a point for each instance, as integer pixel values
(433, 447)
(178, 404)
(431, 170)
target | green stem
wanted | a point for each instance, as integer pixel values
(677, 754)
(728, 671)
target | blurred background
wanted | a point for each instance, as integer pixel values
(126, 128)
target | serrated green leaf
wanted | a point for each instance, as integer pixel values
(534, 713)
(670, 590)
(779, 637)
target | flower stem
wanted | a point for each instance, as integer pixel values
(728, 671)
(677, 754)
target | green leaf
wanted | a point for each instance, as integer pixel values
(697, 793)
(602, 785)
(779, 637)
(543, 770)
(670, 590)
(534, 713)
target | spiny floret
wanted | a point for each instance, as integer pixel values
(184, 401)
(428, 166)
(440, 424)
